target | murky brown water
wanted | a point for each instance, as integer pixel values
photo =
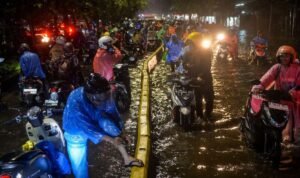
(214, 150)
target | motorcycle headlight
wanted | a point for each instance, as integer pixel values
(220, 36)
(132, 59)
(185, 110)
(45, 39)
(206, 43)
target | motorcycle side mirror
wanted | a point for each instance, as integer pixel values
(255, 82)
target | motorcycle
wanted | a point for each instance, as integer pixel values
(222, 52)
(32, 91)
(258, 54)
(43, 155)
(58, 94)
(122, 93)
(132, 55)
(183, 99)
(266, 115)
(152, 41)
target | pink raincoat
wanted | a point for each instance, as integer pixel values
(104, 62)
(286, 78)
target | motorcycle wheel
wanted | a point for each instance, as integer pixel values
(122, 100)
(185, 121)
(276, 154)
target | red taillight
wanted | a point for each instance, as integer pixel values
(54, 89)
(70, 30)
(5, 176)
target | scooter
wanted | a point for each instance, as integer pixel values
(264, 119)
(43, 155)
(32, 91)
(222, 52)
(183, 99)
(258, 55)
(122, 93)
(58, 94)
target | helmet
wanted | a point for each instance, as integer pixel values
(104, 41)
(96, 84)
(68, 47)
(60, 40)
(194, 37)
(285, 49)
(23, 47)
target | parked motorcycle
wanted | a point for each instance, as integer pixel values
(58, 94)
(122, 93)
(44, 155)
(32, 91)
(258, 54)
(264, 119)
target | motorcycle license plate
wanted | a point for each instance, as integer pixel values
(51, 103)
(278, 106)
(31, 91)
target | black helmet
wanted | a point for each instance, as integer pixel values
(68, 47)
(23, 47)
(96, 84)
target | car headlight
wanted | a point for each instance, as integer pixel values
(206, 43)
(220, 36)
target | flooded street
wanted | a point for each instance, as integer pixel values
(215, 150)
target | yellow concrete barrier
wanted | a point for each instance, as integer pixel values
(143, 145)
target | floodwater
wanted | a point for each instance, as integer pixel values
(212, 150)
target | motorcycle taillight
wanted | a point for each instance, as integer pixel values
(54, 89)
(5, 176)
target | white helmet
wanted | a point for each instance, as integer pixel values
(104, 41)
(60, 40)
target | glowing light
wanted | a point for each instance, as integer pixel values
(206, 43)
(239, 5)
(220, 36)
(45, 39)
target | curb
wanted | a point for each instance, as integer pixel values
(143, 145)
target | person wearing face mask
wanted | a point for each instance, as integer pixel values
(91, 114)
(106, 57)
(285, 75)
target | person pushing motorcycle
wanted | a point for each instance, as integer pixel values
(197, 60)
(286, 76)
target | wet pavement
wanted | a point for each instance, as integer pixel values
(213, 150)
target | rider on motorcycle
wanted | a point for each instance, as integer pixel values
(57, 50)
(68, 67)
(106, 57)
(90, 114)
(31, 66)
(198, 63)
(258, 40)
(286, 76)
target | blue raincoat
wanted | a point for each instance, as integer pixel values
(82, 117)
(82, 121)
(31, 65)
(259, 40)
(174, 50)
